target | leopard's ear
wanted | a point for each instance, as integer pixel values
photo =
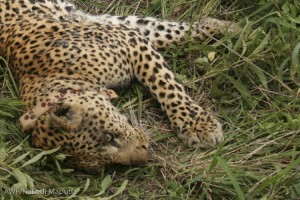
(109, 93)
(66, 116)
(29, 119)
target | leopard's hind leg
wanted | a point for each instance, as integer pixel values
(163, 33)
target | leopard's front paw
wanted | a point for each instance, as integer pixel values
(201, 129)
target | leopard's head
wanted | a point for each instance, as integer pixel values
(88, 127)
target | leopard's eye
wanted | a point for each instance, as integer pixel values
(109, 137)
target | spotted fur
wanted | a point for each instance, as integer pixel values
(55, 50)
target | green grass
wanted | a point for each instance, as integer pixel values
(252, 83)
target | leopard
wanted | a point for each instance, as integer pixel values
(68, 64)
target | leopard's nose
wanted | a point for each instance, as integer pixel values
(142, 147)
(145, 147)
(140, 157)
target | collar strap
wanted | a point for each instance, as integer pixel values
(29, 119)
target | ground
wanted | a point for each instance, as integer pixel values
(252, 82)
